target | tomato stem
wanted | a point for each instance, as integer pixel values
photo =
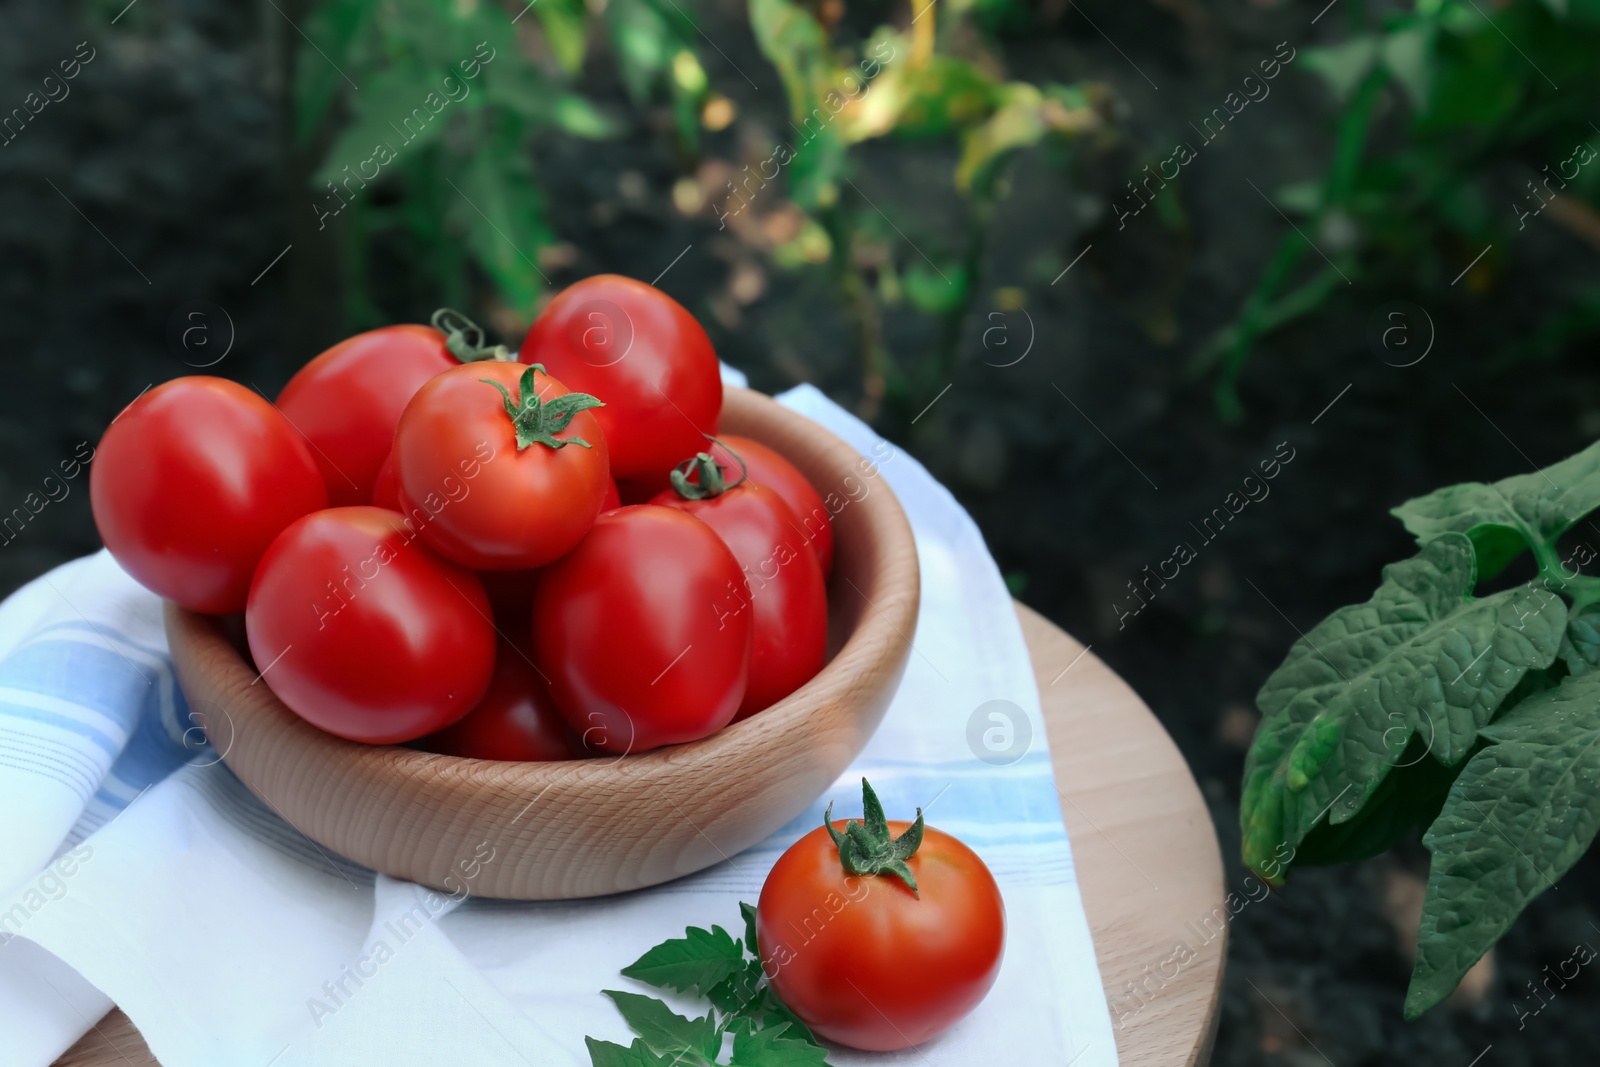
(466, 340)
(865, 847)
(709, 481)
(538, 422)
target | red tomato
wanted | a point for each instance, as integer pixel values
(386, 487)
(490, 492)
(782, 589)
(625, 628)
(765, 466)
(192, 482)
(511, 592)
(515, 720)
(638, 350)
(364, 631)
(864, 959)
(347, 401)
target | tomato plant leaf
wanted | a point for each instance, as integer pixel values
(1343, 66)
(1505, 518)
(738, 993)
(771, 1010)
(774, 1047)
(795, 42)
(498, 203)
(566, 27)
(610, 1054)
(663, 1029)
(1580, 645)
(1407, 800)
(1422, 656)
(1521, 813)
(749, 913)
(644, 42)
(339, 24)
(1408, 53)
(694, 963)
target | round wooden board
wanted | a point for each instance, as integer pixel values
(1142, 843)
(1144, 850)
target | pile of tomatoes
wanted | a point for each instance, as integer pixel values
(527, 557)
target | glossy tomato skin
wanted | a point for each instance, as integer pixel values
(475, 496)
(366, 632)
(625, 627)
(765, 466)
(348, 399)
(515, 720)
(192, 482)
(782, 590)
(864, 962)
(641, 352)
(386, 487)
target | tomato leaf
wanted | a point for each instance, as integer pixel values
(502, 211)
(663, 1029)
(1521, 813)
(1343, 66)
(1407, 800)
(1505, 518)
(773, 1047)
(694, 963)
(609, 1054)
(728, 974)
(738, 993)
(1421, 656)
(772, 1011)
(1580, 645)
(749, 913)
(796, 43)
(566, 27)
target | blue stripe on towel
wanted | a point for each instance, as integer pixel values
(94, 685)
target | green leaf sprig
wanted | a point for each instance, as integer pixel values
(727, 975)
(1427, 705)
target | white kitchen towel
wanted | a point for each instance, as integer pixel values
(135, 869)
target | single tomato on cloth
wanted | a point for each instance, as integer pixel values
(641, 352)
(192, 482)
(883, 934)
(500, 466)
(625, 628)
(766, 467)
(366, 632)
(782, 587)
(515, 720)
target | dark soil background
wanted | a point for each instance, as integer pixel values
(160, 184)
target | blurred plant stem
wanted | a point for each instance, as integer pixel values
(866, 317)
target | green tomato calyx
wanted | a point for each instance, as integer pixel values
(538, 421)
(466, 340)
(865, 847)
(709, 480)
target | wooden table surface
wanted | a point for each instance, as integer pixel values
(1142, 843)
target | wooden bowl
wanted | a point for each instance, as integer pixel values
(589, 827)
